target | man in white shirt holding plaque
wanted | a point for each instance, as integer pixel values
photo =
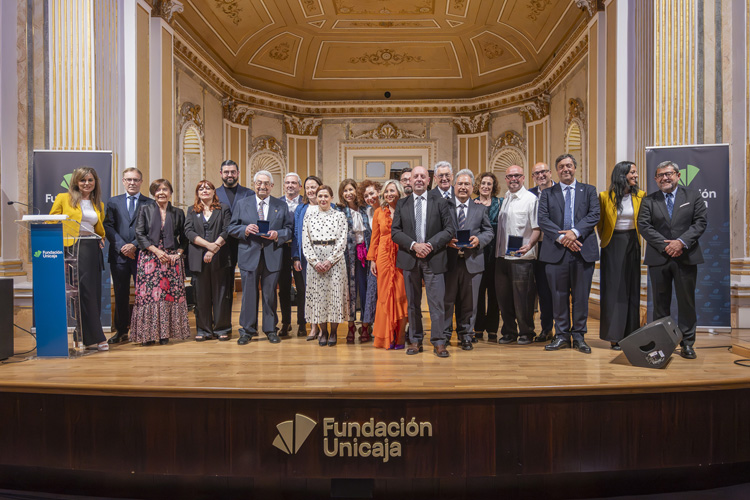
(517, 234)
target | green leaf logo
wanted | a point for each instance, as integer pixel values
(37, 253)
(66, 181)
(688, 174)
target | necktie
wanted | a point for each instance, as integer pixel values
(461, 216)
(670, 204)
(447, 195)
(568, 216)
(260, 210)
(131, 206)
(419, 212)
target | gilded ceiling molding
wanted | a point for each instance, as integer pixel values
(195, 58)
(590, 6)
(267, 144)
(575, 111)
(387, 131)
(508, 139)
(236, 112)
(166, 9)
(385, 57)
(190, 114)
(537, 109)
(296, 125)
(472, 124)
(536, 7)
(231, 9)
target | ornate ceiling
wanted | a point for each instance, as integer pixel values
(359, 49)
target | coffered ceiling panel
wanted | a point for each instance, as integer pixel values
(357, 49)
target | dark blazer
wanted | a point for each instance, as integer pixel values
(242, 192)
(119, 227)
(436, 192)
(299, 218)
(439, 230)
(535, 190)
(218, 225)
(478, 222)
(142, 226)
(551, 217)
(251, 247)
(688, 223)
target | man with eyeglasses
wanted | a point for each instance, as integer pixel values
(543, 179)
(671, 220)
(405, 180)
(444, 177)
(568, 213)
(119, 227)
(515, 250)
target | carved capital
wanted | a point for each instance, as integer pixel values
(166, 9)
(575, 111)
(236, 112)
(590, 6)
(537, 109)
(301, 126)
(191, 113)
(509, 138)
(267, 144)
(472, 124)
(388, 130)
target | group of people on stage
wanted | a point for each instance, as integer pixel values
(371, 247)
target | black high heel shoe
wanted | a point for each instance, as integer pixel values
(323, 339)
(332, 340)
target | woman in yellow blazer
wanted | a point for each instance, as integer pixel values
(620, 266)
(83, 204)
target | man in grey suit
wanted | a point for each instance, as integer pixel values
(465, 264)
(260, 255)
(568, 213)
(119, 227)
(671, 220)
(422, 227)
(515, 249)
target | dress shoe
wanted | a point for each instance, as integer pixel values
(332, 339)
(581, 346)
(440, 351)
(364, 335)
(506, 339)
(302, 331)
(688, 352)
(163, 341)
(615, 346)
(225, 337)
(323, 338)
(350, 334)
(466, 345)
(545, 336)
(273, 338)
(149, 343)
(285, 329)
(244, 339)
(491, 337)
(414, 349)
(117, 338)
(557, 344)
(474, 340)
(478, 335)
(524, 340)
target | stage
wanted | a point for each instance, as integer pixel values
(299, 419)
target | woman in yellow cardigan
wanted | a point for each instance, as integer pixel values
(620, 267)
(83, 204)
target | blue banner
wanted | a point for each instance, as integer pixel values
(704, 168)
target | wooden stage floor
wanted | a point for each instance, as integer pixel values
(296, 368)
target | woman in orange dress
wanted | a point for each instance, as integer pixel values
(391, 312)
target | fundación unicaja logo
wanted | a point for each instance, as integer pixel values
(293, 433)
(38, 254)
(65, 184)
(687, 175)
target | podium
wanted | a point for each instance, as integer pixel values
(55, 282)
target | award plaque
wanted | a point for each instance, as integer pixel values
(263, 228)
(463, 235)
(514, 243)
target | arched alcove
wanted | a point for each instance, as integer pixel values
(192, 164)
(503, 159)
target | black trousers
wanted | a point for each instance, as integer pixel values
(90, 266)
(684, 277)
(285, 288)
(570, 282)
(488, 316)
(213, 299)
(516, 290)
(543, 292)
(122, 272)
(620, 273)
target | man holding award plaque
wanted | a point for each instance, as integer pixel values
(465, 259)
(517, 234)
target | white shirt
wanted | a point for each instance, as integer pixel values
(292, 204)
(626, 216)
(265, 206)
(423, 222)
(444, 193)
(88, 218)
(466, 208)
(517, 217)
(572, 208)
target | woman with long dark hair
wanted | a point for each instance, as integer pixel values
(368, 194)
(620, 267)
(356, 254)
(206, 227)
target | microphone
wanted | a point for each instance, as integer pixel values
(25, 205)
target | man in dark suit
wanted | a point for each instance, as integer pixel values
(422, 227)
(543, 179)
(444, 179)
(292, 186)
(671, 221)
(259, 256)
(568, 213)
(465, 264)
(119, 227)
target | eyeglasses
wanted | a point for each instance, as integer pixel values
(132, 181)
(443, 176)
(666, 174)
(540, 172)
(514, 176)
(263, 183)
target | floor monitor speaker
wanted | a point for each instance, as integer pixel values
(6, 318)
(652, 345)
